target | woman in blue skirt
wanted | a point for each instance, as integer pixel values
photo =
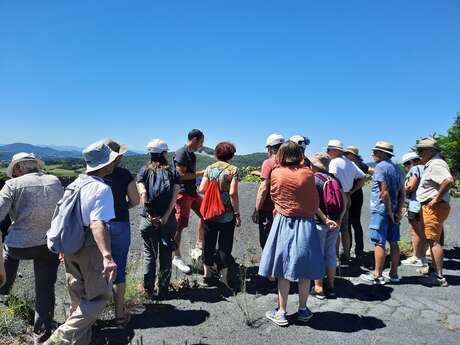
(293, 250)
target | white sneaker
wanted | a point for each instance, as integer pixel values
(392, 278)
(412, 261)
(180, 264)
(369, 278)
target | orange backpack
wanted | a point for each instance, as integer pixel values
(212, 205)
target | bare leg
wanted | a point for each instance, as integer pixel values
(394, 252)
(119, 300)
(418, 238)
(437, 255)
(318, 286)
(177, 239)
(199, 233)
(379, 257)
(304, 288)
(283, 292)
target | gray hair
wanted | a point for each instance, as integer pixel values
(28, 166)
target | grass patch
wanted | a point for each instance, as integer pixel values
(133, 284)
(14, 318)
(405, 248)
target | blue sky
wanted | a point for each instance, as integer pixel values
(72, 72)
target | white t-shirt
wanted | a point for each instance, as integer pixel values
(346, 172)
(96, 201)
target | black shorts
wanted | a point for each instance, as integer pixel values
(413, 215)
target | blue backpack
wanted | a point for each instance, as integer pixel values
(67, 232)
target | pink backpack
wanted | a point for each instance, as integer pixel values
(332, 196)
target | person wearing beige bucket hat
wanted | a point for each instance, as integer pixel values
(387, 201)
(91, 270)
(433, 194)
(351, 178)
(30, 198)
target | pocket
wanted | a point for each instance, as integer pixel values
(376, 221)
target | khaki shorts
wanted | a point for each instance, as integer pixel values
(433, 218)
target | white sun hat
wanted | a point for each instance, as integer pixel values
(410, 156)
(335, 144)
(157, 146)
(274, 139)
(21, 157)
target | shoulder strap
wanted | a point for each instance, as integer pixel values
(321, 177)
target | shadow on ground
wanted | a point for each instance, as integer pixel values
(344, 322)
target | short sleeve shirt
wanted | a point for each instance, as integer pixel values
(414, 205)
(436, 171)
(345, 171)
(118, 182)
(96, 201)
(267, 167)
(386, 171)
(160, 185)
(187, 159)
(293, 192)
(226, 174)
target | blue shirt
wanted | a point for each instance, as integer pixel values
(386, 171)
(414, 205)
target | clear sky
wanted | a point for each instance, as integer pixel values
(72, 72)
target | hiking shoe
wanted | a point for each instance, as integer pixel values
(277, 317)
(393, 278)
(40, 338)
(180, 264)
(423, 270)
(304, 315)
(319, 295)
(439, 281)
(412, 261)
(369, 278)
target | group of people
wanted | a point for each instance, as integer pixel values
(305, 207)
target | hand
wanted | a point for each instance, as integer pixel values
(397, 218)
(237, 220)
(433, 202)
(61, 257)
(2, 274)
(110, 269)
(255, 216)
(331, 224)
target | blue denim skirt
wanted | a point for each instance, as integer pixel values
(293, 250)
(120, 240)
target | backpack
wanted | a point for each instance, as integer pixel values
(67, 232)
(159, 189)
(212, 205)
(332, 196)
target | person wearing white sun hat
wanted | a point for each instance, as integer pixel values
(412, 164)
(303, 142)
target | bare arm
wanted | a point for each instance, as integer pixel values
(264, 190)
(186, 176)
(345, 206)
(203, 184)
(412, 184)
(133, 195)
(401, 199)
(142, 192)
(385, 196)
(102, 240)
(358, 185)
(443, 189)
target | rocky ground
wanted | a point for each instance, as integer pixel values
(411, 312)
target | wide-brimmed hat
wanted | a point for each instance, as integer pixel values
(114, 146)
(335, 144)
(427, 143)
(410, 156)
(352, 149)
(274, 139)
(384, 147)
(98, 155)
(22, 157)
(157, 146)
(321, 161)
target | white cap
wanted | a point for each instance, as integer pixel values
(157, 146)
(409, 157)
(274, 139)
(300, 140)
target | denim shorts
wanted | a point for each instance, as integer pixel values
(382, 229)
(120, 239)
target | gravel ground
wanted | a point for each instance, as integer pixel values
(410, 312)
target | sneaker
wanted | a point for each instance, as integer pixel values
(277, 317)
(439, 281)
(180, 264)
(393, 278)
(412, 261)
(319, 295)
(423, 270)
(304, 315)
(40, 338)
(369, 278)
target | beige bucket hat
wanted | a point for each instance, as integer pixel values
(352, 149)
(427, 143)
(21, 157)
(98, 155)
(384, 147)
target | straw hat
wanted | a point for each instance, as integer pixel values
(22, 157)
(98, 155)
(427, 143)
(335, 144)
(321, 161)
(352, 149)
(384, 147)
